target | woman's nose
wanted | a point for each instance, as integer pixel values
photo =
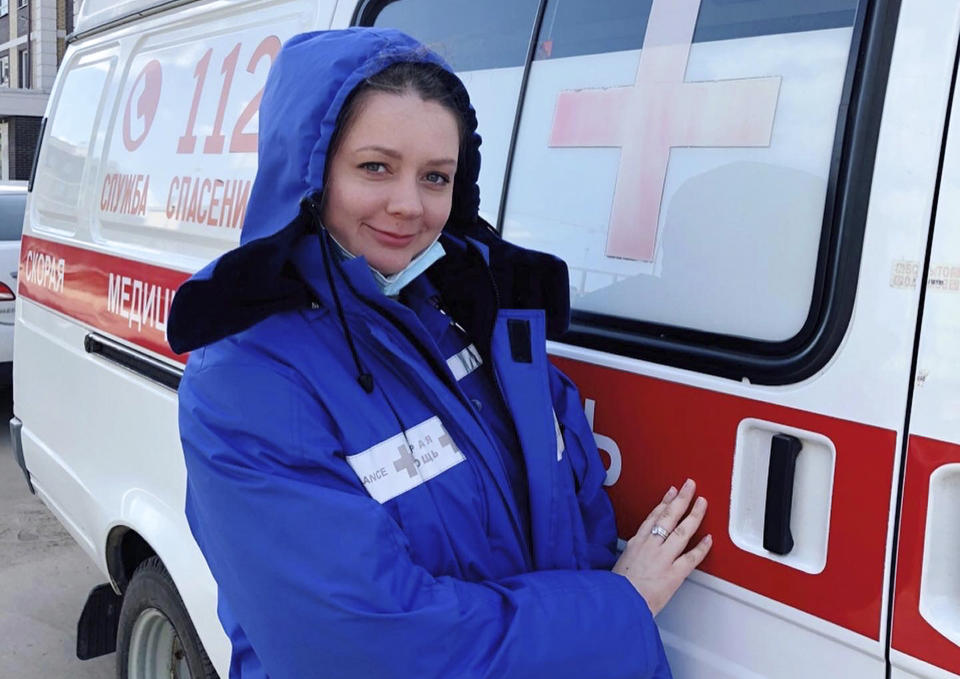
(405, 200)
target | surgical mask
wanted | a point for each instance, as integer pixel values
(392, 285)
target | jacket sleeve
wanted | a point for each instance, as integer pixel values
(588, 470)
(318, 575)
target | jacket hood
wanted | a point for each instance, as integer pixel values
(308, 84)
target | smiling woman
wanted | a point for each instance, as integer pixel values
(377, 446)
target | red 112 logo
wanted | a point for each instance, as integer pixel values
(240, 141)
(143, 107)
(147, 103)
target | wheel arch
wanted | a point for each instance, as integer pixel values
(147, 526)
(125, 550)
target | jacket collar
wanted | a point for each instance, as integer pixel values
(480, 274)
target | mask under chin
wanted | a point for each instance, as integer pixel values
(392, 285)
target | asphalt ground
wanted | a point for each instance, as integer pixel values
(44, 581)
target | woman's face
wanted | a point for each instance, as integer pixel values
(390, 184)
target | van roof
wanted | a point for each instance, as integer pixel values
(97, 14)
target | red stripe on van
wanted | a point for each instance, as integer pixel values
(668, 431)
(122, 297)
(912, 634)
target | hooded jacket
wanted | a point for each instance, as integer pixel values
(337, 553)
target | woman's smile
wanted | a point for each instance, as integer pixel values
(391, 239)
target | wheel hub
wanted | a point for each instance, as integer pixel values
(156, 651)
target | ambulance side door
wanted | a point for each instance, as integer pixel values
(926, 604)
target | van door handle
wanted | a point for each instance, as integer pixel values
(777, 537)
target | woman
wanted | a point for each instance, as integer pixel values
(385, 474)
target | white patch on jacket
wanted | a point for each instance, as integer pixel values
(406, 460)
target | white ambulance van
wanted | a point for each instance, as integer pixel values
(758, 201)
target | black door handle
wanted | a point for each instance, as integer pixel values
(784, 450)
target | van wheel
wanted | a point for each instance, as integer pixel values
(155, 637)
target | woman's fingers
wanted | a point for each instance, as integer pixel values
(695, 556)
(652, 517)
(655, 569)
(655, 563)
(681, 535)
(677, 507)
(668, 497)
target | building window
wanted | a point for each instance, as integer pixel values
(23, 72)
(5, 70)
(4, 7)
(22, 3)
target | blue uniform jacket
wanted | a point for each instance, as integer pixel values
(349, 500)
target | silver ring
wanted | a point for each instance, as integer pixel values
(660, 530)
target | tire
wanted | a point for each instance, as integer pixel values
(155, 637)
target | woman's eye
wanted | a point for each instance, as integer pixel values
(376, 168)
(437, 178)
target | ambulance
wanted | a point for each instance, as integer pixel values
(758, 202)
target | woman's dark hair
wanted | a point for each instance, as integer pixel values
(427, 80)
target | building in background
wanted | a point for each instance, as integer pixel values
(32, 42)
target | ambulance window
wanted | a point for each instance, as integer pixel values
(487, 44)
(686, 184)
(469, 35)
(575, 28)
(64, 150)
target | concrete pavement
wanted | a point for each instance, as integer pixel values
(44, 581)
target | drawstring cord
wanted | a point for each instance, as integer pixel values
(364, 378)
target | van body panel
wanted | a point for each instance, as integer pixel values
(698, 647)
(702, 426)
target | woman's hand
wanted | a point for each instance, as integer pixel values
(654, 561)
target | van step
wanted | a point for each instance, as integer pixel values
(16, 442)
